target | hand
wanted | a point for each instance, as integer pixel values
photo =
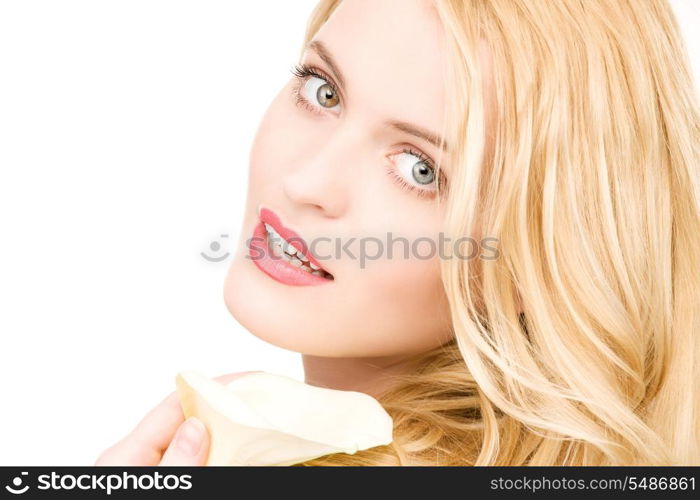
(163, 437)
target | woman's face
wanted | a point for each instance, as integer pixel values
(339, 155)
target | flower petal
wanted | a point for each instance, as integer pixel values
(267, 419)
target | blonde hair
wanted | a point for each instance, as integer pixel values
(579, 344)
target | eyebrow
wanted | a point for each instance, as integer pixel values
(409, 128)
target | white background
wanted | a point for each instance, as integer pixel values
(125, 129)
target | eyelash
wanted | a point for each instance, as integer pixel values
(303, 71)
(401, 182)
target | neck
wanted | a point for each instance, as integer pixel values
(372, 376)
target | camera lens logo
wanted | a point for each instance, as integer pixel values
(17, 483)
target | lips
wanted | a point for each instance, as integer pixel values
(284, 255)
(267, 216)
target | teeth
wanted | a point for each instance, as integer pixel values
(273, 234)
(288, 248)
(282, 248)
(275, 238)
(292, 260)
(277, 250)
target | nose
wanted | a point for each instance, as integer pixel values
(322, 180)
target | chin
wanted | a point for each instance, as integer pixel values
(251, 301)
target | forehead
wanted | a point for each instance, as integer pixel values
(392, 56)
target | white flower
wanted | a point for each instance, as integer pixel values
(267, 419)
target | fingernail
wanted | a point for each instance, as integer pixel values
(190, 436)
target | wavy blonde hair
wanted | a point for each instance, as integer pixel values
(579, 344)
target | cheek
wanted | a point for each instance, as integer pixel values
(408, 306)
(280, 137)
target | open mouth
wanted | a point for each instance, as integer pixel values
(283, 255)
(293, 255)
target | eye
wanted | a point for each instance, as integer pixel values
(313, 90)
(410, 169)
(415, 169)
(317, 90)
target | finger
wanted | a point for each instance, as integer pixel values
(148, 440)
(125, 453)
(156, 430)
(190, 445)
(145, 443)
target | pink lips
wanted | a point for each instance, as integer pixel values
(277, 267)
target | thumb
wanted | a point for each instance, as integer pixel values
(190, 445)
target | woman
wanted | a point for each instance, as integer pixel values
(568, 132)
